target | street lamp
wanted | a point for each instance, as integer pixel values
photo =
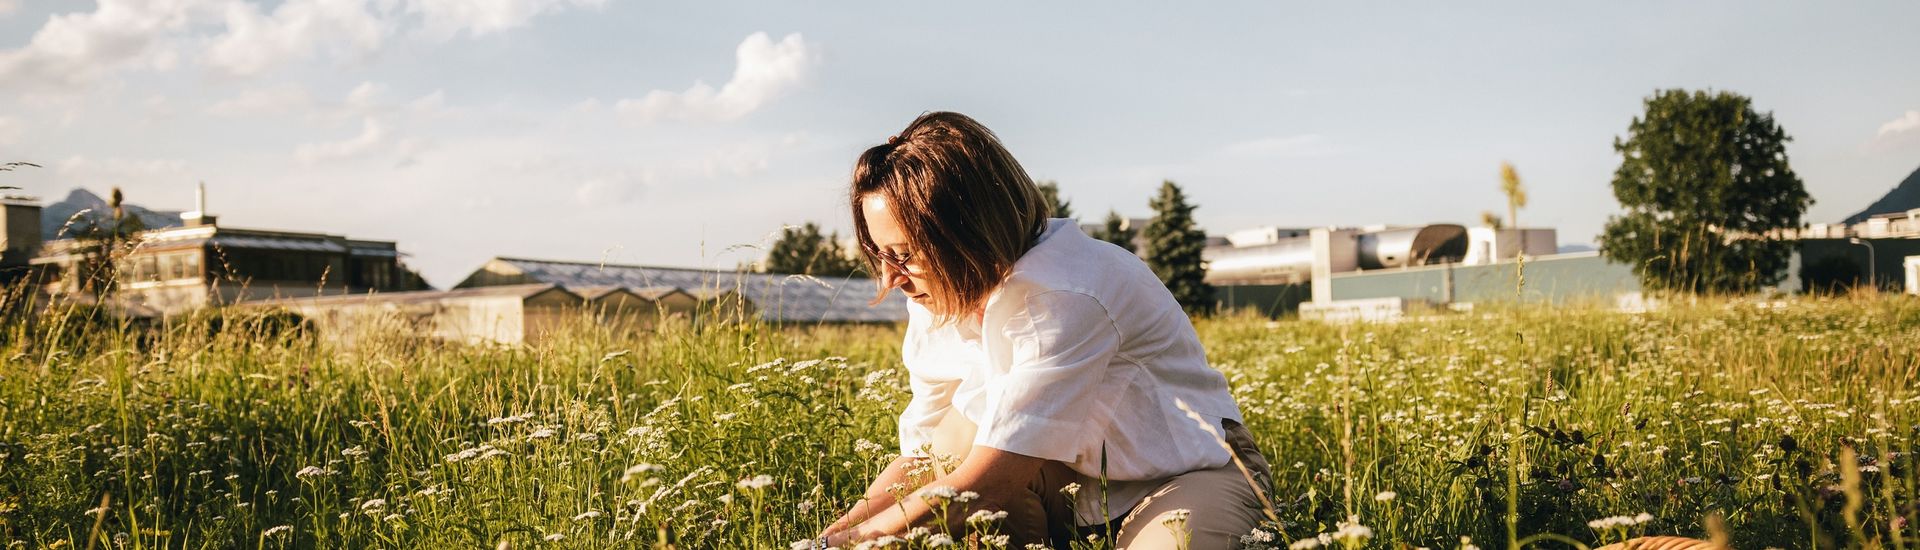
(1870, 262)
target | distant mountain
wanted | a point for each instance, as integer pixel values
(54, 216)
(1902, 198)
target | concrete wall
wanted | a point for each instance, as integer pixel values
(1556, 278)
(1270, 300)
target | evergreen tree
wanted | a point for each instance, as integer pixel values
(1705, 182)
(803, 250)
(1116, 231)
(1061, 208)
(1173, 249)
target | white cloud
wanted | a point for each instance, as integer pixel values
(737, 161)
(613, 188)
(429, 104)
(1905, 123)
(278, 100)
(445, 18)
(362, 97)
(241, 37)
(118, 171)
(10, 131)
(8, 6)
(1307, 145)
(373, 134)
(74, 49)
(255, 41)
(764, 70)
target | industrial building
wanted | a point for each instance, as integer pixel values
(198, 263)
(1874, 252)
(1276, 270)
(769, 297)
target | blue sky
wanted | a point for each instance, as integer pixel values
(685, 133)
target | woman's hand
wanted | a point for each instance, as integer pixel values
(879, 497)
(1001, 478)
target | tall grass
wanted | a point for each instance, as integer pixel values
(1795, 421)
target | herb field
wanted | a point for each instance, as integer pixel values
(1780, 424)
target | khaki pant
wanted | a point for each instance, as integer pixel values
(1221, 507)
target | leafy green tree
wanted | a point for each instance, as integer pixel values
(1705, 183)
(803, 250)
(1173, 249)
(1062, 208)
(1116, 231)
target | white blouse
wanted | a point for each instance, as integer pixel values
(1082, 352)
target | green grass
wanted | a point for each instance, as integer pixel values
(1495, 425)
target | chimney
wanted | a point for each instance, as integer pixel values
(19, 230)
(198, 217)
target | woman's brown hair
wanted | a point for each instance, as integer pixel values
(967, 207)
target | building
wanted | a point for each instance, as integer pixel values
(512, 315)
(767, 296)
(1872, 252)
(201, 263)
(20, 241)
(1375, 269)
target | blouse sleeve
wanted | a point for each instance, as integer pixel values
(1060, 353)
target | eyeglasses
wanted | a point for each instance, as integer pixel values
(889, 282)
(897, 262)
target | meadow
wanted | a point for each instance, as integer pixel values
(1788, 424)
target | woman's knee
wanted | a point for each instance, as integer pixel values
(1201, 510)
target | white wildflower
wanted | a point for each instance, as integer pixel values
(942, 493)
(755, 483)
(983, 516)
(313, 471)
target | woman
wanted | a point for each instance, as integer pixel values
(1040, 359)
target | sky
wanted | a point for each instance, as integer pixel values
(689, 133)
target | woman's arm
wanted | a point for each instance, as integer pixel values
(1001, 479)
(878, 497)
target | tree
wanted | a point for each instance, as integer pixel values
(102, 243)
(1116, 231)
(1061, 207)
(1516, 194)
(1174, 245)
(803, 250)
(1706, 186)
(1490, 219)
